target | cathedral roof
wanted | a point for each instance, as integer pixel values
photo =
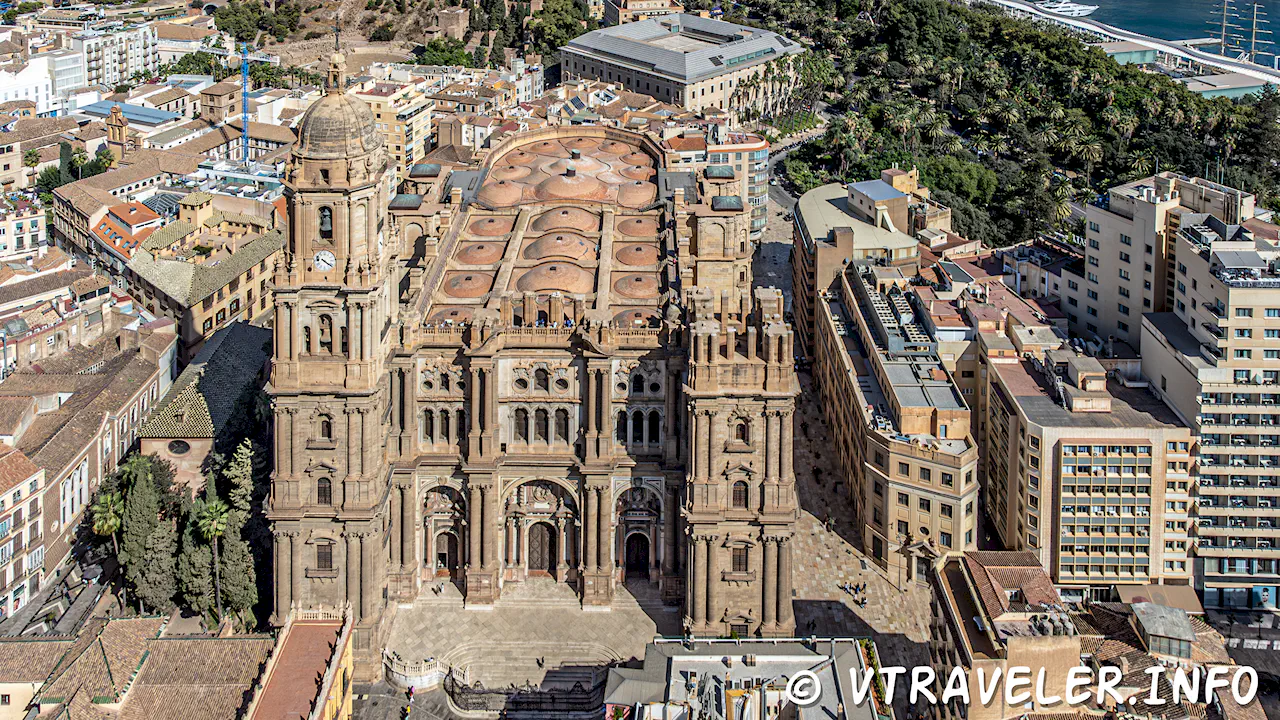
(338, 125)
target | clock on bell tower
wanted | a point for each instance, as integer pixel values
(335, 312)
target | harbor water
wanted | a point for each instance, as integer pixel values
(1175, 19)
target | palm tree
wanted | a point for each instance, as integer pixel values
(1061, 197)
(108, 510)
(31, 158)
(211, 519)
(78, 159)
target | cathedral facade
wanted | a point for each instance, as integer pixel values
(549, 366)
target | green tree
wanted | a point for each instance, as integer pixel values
(141, 516)
(552, 27)
(238, 474)
(31, 158)
(157, 579)
(195, 571)
(443, 51)
(48, 180)
(211, 520)
(239, 580)
(107, 514)
(65, 153)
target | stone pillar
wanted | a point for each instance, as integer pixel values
(282, 578)
(353, 574)
(699, 581)
(492, 526)
(562, 548)
(474, 504)
(397, 516)
(409, 526)
(294, 332)
(411, 415)
(368, 542)
(786, 620)
(473, 414)
(714, 441)
(770, 599)
(669, 512)
(589, 536)
(589, 409)
(698, 440)
(771, 446)
(604, 518)
(295, 566)
(491, 412)
(653, 551)
(787, 449)
(353, 446)
(511, 541)
(295, 443)
(671, 443)
(713, 585)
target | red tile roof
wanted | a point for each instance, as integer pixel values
(294, 682)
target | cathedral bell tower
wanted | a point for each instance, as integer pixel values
(334, 320)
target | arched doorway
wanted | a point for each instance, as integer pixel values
(637, 557)
(542, 549)
(446, 548)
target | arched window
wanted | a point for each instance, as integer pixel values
(541, 425)
(741, 432)
(344, 341)
(324, 491)
(655, 425)
(326, 334)
(306, 339)
(637, 426)
(326, 427)
(429, 426)
(622, 426)
(740, 495)
(541, 379)
(637, 384)
(562, 426)
(326, 223)
(522, 425)
(460, 423)
(444, 425)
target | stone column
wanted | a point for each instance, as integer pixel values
(589, 508)
(295, 443)
(604, 518)
(283, 561)
(713, 583)
(353, 445)
(367, 582)
(491, 411)
(562, 548)
(492, 526)
(411, 414)
(397, 516)
(786, 620)
(669, 511)
(474, 505)
(409, 526)
(295, 566)
(771, 446)
(589, 409)
(653, 551)
(699, 581)
(353, 574)
(787, 449)
(295, 345)
(699, 439)
(510, 526)
(770, 568)
(714, 441)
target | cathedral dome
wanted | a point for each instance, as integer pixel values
(338, 125)
(500, 194)
(492, 226)
(467, 284)
(637, 286)
(637, 172)
(481, 253)
(637, 254)
(560, 276)
(639, 227)
(571, 186)
(637, 194)
(637, 317)
(635, 157)
(567, 218)
(566, 245)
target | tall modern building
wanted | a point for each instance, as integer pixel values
(1215, 357)
(550, 367)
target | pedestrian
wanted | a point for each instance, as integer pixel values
(410, 693)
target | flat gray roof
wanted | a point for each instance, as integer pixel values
(877, 190)
(825, 208)
(687, 48)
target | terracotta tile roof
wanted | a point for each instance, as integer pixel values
(18, 291)
(167, 96)
(12, 412)
(997, 574)
(205, 395)
(30, 660)
(52, 258)
(222, 88)
(189, 283)
(104, 660)
(177, 31)
(688, 144)
(196, 678)
(265, 131)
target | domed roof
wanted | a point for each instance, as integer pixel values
(566, 245)
(510, 172)
(636, 172)
(501, 193)
(491, 226)
(549, 147)
(637, 193)
(637, 317)
(562, 276)
(639, 285)
(480, 253)
(583, 164)
(639, 227)
(519, 157)
(571, 186)
(613, 147)
(467, 284)
(637, 254)
(584, 144)
(338, 125)
(451, 314)
(567, 218)
(635, 157)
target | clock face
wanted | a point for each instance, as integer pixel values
(325, 261)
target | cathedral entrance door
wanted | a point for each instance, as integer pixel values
(446, 555)
(638, 556)
(542, 549)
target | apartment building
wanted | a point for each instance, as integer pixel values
(1214, 357)
(836, 225)
(1130, 260)
(21, 544)
(1091, 475)
(402, 112)
(685, 60)
(21, 229)
(702, 145)
(220, 102)
(113, 55)
(900, 428)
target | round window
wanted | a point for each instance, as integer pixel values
(622, 387)
(522, 384)
(179, 447)
(562, 384)
(654, 387)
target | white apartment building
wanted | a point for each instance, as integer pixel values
(112, 57)
(34, 82)
(1129, 264)
(1215, 357)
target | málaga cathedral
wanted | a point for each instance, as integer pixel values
(548, 365)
